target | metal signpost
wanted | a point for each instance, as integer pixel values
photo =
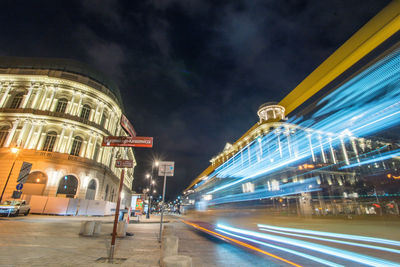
(165, 168)
(123, 141)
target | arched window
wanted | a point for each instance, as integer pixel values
(16, 102)
(85, 112)
(68, 186)
(61, 105)
(76, 146)
(3, 134)
(91, 190)
(49, 142)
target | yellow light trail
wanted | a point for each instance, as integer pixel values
(380, 28)
(240, 243)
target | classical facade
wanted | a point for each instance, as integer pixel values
(292, 169)
(56, 112)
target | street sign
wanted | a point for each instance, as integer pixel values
(127, 141)
(127, 126)
(166, 168)
(123, 163)
(19, 186)
(24, 172)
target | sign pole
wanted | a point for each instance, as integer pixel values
(116, 218)
(162, 207)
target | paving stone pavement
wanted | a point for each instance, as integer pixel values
(54, 241)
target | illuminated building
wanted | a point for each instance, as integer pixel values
(57, 112)
(325, 162)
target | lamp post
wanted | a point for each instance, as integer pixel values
(15, 151)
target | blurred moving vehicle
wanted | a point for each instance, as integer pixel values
(14, 208)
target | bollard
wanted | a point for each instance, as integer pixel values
(88, 229)
(121, 229)
(176, 261)
(169, 246)
(97, 228)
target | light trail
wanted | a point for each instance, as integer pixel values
(356, 257)
(337, 235)
(240, 243)
(367, 104)
(335, 241)
(307, 256)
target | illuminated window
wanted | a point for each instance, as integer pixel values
(85, 112)
(61, 105)
(3, 135)
(76, 146)
(49, 142)
(16, 102)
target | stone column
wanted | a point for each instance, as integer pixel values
(311, 147)
(22, 133)
(95, 114)
(332, 151)
(83, 149)
(44, 98)
(39, 135)
(101, 113)
(87, 152)
(28, 139)
(61, 139)
(53, 92)
(42, 136)
(70, 106)
(12, 133)
(93, 147)
(4, 96)
(78, 110)
(322, 149)
(37, 94)
(346, 158)
(27, 97)
(69, 143)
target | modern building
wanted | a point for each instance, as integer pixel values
(339, 157)
(56, 112)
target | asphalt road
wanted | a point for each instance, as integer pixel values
(304, 242)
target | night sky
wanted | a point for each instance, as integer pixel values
(192, 73)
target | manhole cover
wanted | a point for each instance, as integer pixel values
(114, 261)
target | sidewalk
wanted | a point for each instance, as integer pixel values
(38, 240)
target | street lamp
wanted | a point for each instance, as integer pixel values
(151, 182)
(15, 151)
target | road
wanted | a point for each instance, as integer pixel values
(305, 242)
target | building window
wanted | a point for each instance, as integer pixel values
(85, 112)
(16, 102)
(3, 134)
(61, 105)
(76, 146)
(49, 142)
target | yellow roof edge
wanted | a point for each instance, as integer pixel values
(375, 32)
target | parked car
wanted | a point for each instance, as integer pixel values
(14, 208)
